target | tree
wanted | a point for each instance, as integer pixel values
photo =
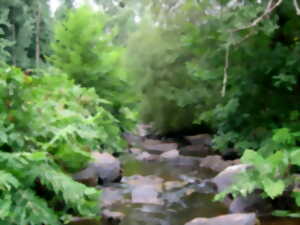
(28, 28)
(84, 50)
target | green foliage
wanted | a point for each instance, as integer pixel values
(162, 67)
(270, 174)
(19, 31)
(83, 50)
(48, 126)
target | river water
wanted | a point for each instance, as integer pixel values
(179, 208)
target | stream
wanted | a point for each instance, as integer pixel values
(180, 204)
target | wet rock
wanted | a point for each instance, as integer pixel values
(226, 178)
(157, 146)
(135, 151)
(104, 167)
(199, 150)
(204, 139)
(145, 194)
(216, 163)
(111, 196)
(206, 187)
(152, 209)
(188, 179)
(186, 161)
(231, 219)
(138, 180)
(143, 129)
(170, 185)
(170, 155)
(133, 140)
(111, 217)
(145, 156)
(189, 191)
(252, 203)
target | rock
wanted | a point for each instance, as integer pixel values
(135, 151)
(231, 219)
(206, 187)
(138, 180)
(143, 129)
(145, 156)
(157, 146)
(252, 203)
(111, 196)
(170, 185)
(145, 194)
(169, 155)
(204, 139)
(216, 163)
(226, 178)
(186, 161)
(133, 140)
(104, 167)
(112, 217)
(199, 150)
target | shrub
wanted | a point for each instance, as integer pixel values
(48, 126)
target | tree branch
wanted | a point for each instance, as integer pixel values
(296, 5)
(225, 77)
(270, 7)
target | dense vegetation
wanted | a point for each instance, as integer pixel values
(231, 66)
(70, 83)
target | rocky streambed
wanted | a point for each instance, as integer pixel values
(164, 183)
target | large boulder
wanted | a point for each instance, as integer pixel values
(231, 219)
(227, 177)
(216, 163)
(104, 168)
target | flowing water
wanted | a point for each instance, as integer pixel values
(179, 207)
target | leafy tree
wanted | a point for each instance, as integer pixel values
(84, 50)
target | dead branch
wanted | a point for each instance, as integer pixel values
(225, 77)
(296, 5)
(270, 7)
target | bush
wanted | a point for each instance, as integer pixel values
(48, 126)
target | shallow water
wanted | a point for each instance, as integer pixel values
(180, 208)
(183, 209)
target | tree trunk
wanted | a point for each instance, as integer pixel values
(13, 37)
(37, 36)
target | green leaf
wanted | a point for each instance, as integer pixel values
(252, 157)
(273, 188)
(295, 157)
